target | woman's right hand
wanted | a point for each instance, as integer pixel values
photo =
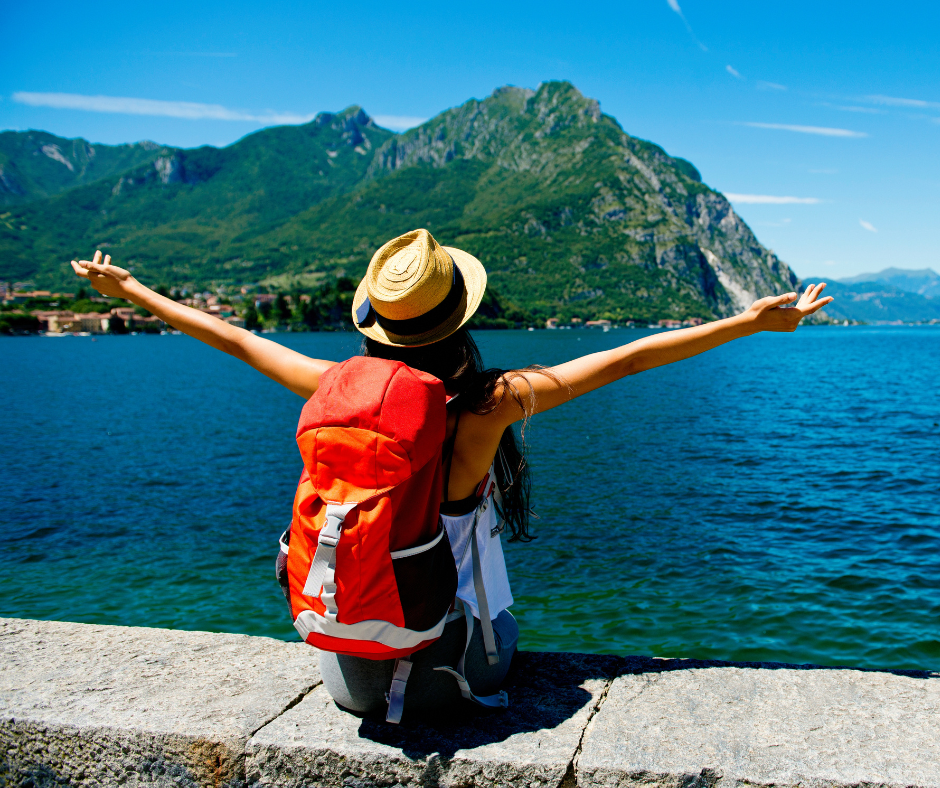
(107, 279)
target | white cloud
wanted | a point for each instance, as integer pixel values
(769, 199)
(203, 54)
(868, 226)
(829, 262)
(734, 72)
(674, 5)
(770, 86)
(138, 106)
(398, 122)
(821, 130)
(892, 101)
(868, 110)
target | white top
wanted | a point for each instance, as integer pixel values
(495, 579)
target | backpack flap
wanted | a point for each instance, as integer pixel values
(371, 425)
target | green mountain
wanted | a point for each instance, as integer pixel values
(35, 164)
(189, 215)
(569, 214)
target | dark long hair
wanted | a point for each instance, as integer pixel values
(456, 361)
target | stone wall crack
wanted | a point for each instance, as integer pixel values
(303, 694)
(570, 779)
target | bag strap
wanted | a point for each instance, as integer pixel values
(449, 447)
(501, 698)
(323, 567)
(489, 641)
(498, 701)
(396, 693)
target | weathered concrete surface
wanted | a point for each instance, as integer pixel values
(685, 723)
(533, 743)
(102, 706)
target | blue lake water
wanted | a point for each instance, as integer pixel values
(775, 499)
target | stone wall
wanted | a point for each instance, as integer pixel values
(91, 705)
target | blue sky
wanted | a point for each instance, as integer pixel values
(821, 121)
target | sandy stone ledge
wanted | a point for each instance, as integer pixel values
(85, 705)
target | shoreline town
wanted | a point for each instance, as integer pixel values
(31, 311)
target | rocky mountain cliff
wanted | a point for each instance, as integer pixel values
(570, 214)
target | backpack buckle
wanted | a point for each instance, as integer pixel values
(326, 539)
(332, 528)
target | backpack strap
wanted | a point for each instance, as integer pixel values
(500, 699)
(449, 447)
(396, 693)
(489, 641)
(323, 567)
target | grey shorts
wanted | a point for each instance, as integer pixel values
(359, 685)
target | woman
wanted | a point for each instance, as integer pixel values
(412, 306)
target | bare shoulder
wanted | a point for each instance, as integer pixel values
(521, 393)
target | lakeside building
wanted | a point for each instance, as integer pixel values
(134, 322)
(217, 310)
(687, 323)
(61, 321)
(9, 295)
(65, 322)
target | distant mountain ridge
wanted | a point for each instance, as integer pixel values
(925, 282)
(36, 164)
(877, 302)
(569, 214)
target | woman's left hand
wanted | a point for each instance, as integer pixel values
(772, 314)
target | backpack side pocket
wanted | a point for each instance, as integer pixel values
(427, 581)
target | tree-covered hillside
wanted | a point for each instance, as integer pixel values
(569, 214)
(36, 164)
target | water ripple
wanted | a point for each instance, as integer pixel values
(738, 505)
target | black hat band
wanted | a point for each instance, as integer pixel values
(366, 314)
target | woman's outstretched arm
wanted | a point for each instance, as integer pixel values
(539, 391)
(291, 369)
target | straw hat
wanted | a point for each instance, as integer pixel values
(416, 291)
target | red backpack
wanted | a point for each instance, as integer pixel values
(366, 526)
(367, 564)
